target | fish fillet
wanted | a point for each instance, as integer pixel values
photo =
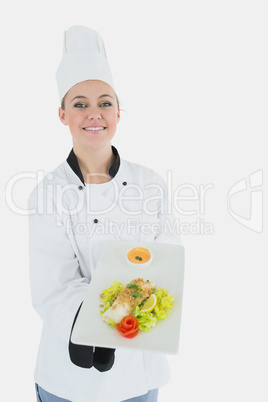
(126, 301)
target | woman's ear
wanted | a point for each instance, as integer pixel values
(62, 116)
(118, 115)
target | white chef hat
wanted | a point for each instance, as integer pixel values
(84, 58)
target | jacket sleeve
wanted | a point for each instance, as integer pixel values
(57, 285)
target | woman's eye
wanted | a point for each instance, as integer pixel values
(105, 104)
(80, 105)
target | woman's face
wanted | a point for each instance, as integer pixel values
(91, 112)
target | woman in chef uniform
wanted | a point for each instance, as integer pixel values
(94, 196)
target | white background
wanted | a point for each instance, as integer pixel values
(192, 79)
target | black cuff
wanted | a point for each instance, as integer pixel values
(103, 358)
(80, 355)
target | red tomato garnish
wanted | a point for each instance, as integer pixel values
(128, 327)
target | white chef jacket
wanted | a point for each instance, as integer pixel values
(69, 224)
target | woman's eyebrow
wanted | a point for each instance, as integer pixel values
(84, 97)
(79, 97)
(104, 95)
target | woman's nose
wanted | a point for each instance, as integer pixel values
(94, 113)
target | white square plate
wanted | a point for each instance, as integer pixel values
(166, 271)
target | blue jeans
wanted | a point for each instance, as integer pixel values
(44, 396)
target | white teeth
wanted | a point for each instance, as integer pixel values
(93, 128)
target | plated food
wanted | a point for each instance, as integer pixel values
(138, 305)
(131, 295)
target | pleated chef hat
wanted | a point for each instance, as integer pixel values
(84, 58)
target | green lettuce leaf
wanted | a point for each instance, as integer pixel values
(164, 303)
(109, 293)
(146, 320)
(108, 296)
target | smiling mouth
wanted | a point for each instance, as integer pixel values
(94, 128)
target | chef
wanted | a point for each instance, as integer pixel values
(91, 198)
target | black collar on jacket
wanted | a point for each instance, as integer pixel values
(73, 163)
